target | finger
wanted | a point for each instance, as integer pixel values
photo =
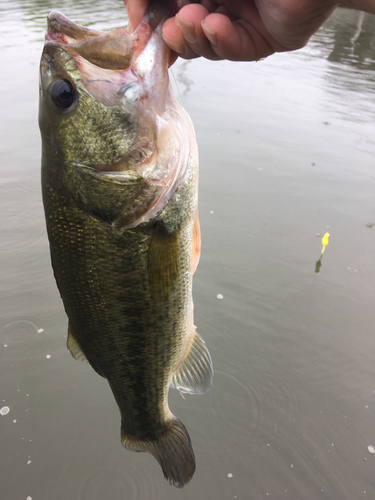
(195, 38)
(172, 58)
(136, 10)
(236, 41)
(174, 39)
(185, 35)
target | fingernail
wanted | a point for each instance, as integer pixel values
(187, 29)
(180, 49)
(211, 35)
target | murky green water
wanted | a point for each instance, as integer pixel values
(287, 150)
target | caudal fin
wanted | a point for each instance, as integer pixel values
(171, 448)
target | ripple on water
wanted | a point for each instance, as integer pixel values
(277, 396)
(131, 482)
(234, 409)
(21, 227)
(129, 479)
(104, 480)
(19, 332)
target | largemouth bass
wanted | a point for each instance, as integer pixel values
(119, 183)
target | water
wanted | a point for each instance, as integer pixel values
(287, 153)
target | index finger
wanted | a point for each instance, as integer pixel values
(136, 10)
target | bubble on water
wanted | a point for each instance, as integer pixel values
(4, 410)
(229, 474)
(219, 296)
(371, 449)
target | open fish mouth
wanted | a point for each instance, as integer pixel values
(108, 50)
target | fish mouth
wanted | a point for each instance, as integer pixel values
(116, 49)
(108, 50)
(115, 57)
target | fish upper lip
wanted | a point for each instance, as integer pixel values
(106, 49)
(60, 25)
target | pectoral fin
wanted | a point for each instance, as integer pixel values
(195, 374)
(74, 348)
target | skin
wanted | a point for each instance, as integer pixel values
(242, 30)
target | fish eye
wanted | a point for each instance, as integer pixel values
(62, 93)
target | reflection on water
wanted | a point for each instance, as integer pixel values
(347, 42)
(287, 152)
(104, 13)
(358, 29)
(348, 38)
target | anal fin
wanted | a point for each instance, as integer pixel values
(195, 374)
(74, 348)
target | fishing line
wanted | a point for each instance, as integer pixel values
(177, 87)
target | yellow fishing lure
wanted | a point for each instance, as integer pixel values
(325, 241)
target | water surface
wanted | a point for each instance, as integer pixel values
(287, 153)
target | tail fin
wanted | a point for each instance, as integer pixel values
(171, 448)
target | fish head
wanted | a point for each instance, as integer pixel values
(92, 89)
(107, 111)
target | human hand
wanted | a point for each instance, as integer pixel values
(244, 30)
(239, 30)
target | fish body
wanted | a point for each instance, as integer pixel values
(119, 184)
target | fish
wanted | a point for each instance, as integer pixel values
(120, 195)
